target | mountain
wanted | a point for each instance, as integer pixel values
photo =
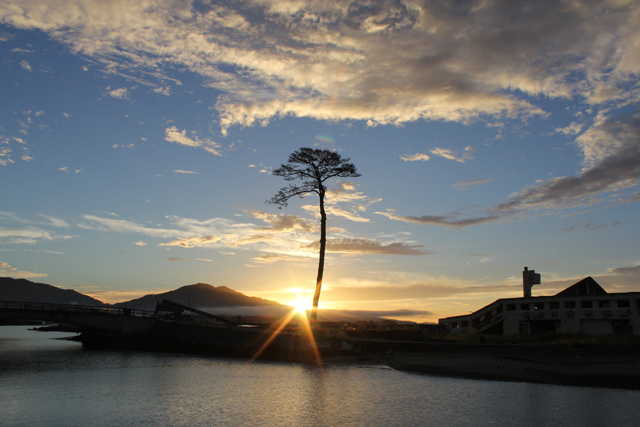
(200, 295)
(22, 290)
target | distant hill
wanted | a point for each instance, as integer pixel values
(22, 290)
(200, 295)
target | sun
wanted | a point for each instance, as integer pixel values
(301, 305)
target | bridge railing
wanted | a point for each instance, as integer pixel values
(13, 305)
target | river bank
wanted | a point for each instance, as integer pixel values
(546, 364)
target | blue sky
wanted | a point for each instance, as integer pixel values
(137, 141)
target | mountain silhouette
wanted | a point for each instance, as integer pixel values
(200, 295)
(22, 290)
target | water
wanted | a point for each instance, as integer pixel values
(50, 382)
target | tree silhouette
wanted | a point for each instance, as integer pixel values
(314, 167)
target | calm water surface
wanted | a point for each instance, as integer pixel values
(50, 382)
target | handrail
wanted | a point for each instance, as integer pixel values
(41, 306)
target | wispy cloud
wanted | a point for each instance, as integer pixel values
(7, 271)
(589, 226)
(366, 246)
(185, 172)
(191, 242)
(463, 185)
(172, 134)
(453, 155)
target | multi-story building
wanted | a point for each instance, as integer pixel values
(582, 307)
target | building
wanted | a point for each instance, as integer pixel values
(583, 307)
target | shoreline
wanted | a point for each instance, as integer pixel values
(609, 368)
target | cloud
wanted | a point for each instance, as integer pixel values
(627, 270)
(172, 259)
(350, 201)
(271, 258)
(278, 223)
(185, 172)
(140, 243)
(415, 157)
(28, 235)
(56, 222)
(417, 291)
(123, 226)
(452, 155)
(463, 185)
(386, 62)
(366, 246)
(172, 134)
(589, 226)
(7, 271)
(121, 93)
(573, 129)
(448, 220)
(191, 242)
(25, 65)
(166, 91)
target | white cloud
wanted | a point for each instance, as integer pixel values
(573, 129)
(121, 93)
(25, 65)
(185, 172)
(166, 91)
(415, 157)
(172, 134)
(453, 155)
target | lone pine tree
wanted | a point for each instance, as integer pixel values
(313, 167)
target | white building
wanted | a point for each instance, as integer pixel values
(583, 307)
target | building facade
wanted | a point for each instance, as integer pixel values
(583, 307)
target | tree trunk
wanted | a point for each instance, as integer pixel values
(323, 244)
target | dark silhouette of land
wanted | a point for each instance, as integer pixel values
(25, 290)
(200, 295)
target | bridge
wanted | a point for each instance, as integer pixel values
(87, 318)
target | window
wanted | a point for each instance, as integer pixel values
(554, 305)
(539, 306)
(524, 306)
(464, 323)
(624, 303)
(512, 307)
(569, 304)
(605, 304)
(585, 304)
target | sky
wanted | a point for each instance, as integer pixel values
(137, 141)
